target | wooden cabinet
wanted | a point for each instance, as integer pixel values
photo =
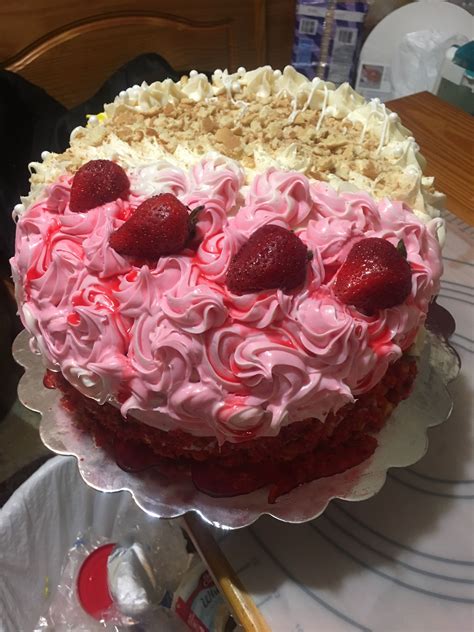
(69, 47)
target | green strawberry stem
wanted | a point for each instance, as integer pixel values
(193, 216)
(401, 249)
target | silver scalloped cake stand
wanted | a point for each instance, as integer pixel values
(402, 442)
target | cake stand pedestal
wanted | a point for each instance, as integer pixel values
(402, 442)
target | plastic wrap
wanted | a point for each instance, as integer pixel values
(64, 612)
(47, 528)
(418, 59)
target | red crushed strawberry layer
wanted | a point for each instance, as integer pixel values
(301, 452)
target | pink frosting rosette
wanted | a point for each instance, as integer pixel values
(276, 197)
(161, 354)
(193, 306)
(165, 361)
(358, 208)
(269, 306)
(218, 178)
(330, 333)
(181, 350)
(138, 291)
(102, 259)
(332, 238)
(214, 253)
(90, 341)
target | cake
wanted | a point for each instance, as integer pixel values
(193, 272)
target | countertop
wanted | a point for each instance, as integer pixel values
(445, 135)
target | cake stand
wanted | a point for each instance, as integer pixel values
(402, 442)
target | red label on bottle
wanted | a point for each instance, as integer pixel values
(200, 600)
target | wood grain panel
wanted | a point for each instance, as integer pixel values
(280, 24)
(24, 21)
(52, 43)
(445, 135)
(60, 65)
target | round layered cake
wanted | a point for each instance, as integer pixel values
(229, 275)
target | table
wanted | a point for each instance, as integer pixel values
(445, 135)
(404, 559)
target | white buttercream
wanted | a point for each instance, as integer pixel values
(395, 143)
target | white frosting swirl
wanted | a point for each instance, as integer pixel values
(395, 142)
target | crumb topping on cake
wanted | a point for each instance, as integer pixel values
(261, 118)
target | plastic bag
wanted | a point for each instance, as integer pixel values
(64, 612)
(416, 64)
(166, 549)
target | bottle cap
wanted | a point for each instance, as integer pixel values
(92, 588)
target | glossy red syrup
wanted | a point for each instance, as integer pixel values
(134, 457)
(49, 380)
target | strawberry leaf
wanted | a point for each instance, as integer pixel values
(402, 249)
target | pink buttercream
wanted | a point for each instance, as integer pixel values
(171, 342)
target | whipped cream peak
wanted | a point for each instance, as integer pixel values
(379, 134)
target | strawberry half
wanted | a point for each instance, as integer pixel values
(160, 226)
(96, 183)
(273, 257)
(374, 276)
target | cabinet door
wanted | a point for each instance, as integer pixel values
(69, 48)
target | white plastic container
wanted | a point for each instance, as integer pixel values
(38, 525)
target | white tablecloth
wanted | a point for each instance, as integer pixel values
(403, 560)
